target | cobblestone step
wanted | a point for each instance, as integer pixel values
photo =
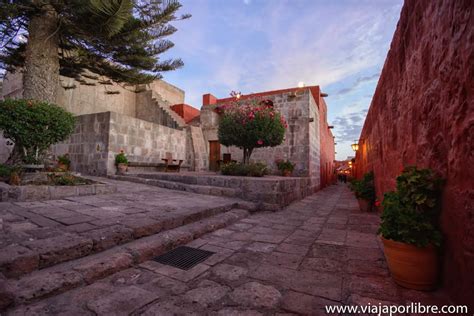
(20, 259)
(83, 271)
(178, 183)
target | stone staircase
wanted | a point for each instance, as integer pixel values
(75, 261)
(165, 106)
(181, 183)
(270, 192)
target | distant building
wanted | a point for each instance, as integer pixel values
(308, 142)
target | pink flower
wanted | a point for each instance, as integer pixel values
(259, 142)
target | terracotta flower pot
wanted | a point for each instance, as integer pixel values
(286, 173)
(122, 168)
(412, 267)
(14, 179)
(63, 166)
(364, 205)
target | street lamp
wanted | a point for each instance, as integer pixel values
(355, 146)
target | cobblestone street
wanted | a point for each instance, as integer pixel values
(316, 252)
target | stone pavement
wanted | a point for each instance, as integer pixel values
(316, 252)
(35, 235)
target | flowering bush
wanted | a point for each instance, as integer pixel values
(33, 126)
(250, 123)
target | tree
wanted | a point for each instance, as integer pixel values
(249, 124)
(33, 126)
(119, 39)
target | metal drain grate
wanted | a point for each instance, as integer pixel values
(183, 257)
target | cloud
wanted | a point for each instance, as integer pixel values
(275, 45)
(359, 81)
(347, 127)
(247, 2)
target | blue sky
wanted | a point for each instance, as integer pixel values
(260, 45)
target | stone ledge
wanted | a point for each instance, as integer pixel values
(25, 193)
(270, 192)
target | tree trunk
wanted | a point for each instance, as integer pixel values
(247, 153)
(41, 73)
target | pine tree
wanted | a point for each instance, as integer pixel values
(119, 39)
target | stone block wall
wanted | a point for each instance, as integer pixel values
(168, 92)
(314, 141)
(143, 141)
(88, 146)
(296, 109)
(422, 114)
(99, 137)
(197, 155)
(96, 98)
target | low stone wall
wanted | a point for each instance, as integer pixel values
(49, 192)
(271, 191)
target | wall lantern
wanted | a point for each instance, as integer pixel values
(355, 146)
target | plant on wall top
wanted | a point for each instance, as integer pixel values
(33, 126)
(250, 123)
(410, 214)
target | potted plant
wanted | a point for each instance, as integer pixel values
(286, 167)
(410, 230)
(364, 190)
(121, 162)
(64, 162)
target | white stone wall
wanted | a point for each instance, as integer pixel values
(314, 145)
(143, 141)
(88, 146)
(297, 110)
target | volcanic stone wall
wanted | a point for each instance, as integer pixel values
(422, 114)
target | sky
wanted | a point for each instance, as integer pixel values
(261, 45)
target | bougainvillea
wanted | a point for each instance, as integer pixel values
(250, 123)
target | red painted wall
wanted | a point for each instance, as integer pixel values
(187, 112)
(422, 113)
(327, 154)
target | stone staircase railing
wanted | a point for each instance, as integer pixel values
(165, 106)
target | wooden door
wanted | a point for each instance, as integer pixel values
(214, 155)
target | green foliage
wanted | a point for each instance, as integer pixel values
(64, 159)
(245, 170)
(34, 126)
(364, 188)
(285, 165)
(120, 39)
(121, 158)
(250, 124)
(410, 214)
(66, 179)
(5, 172)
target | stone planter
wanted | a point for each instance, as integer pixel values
(410, 266)
(122, 168)
(364, 205)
